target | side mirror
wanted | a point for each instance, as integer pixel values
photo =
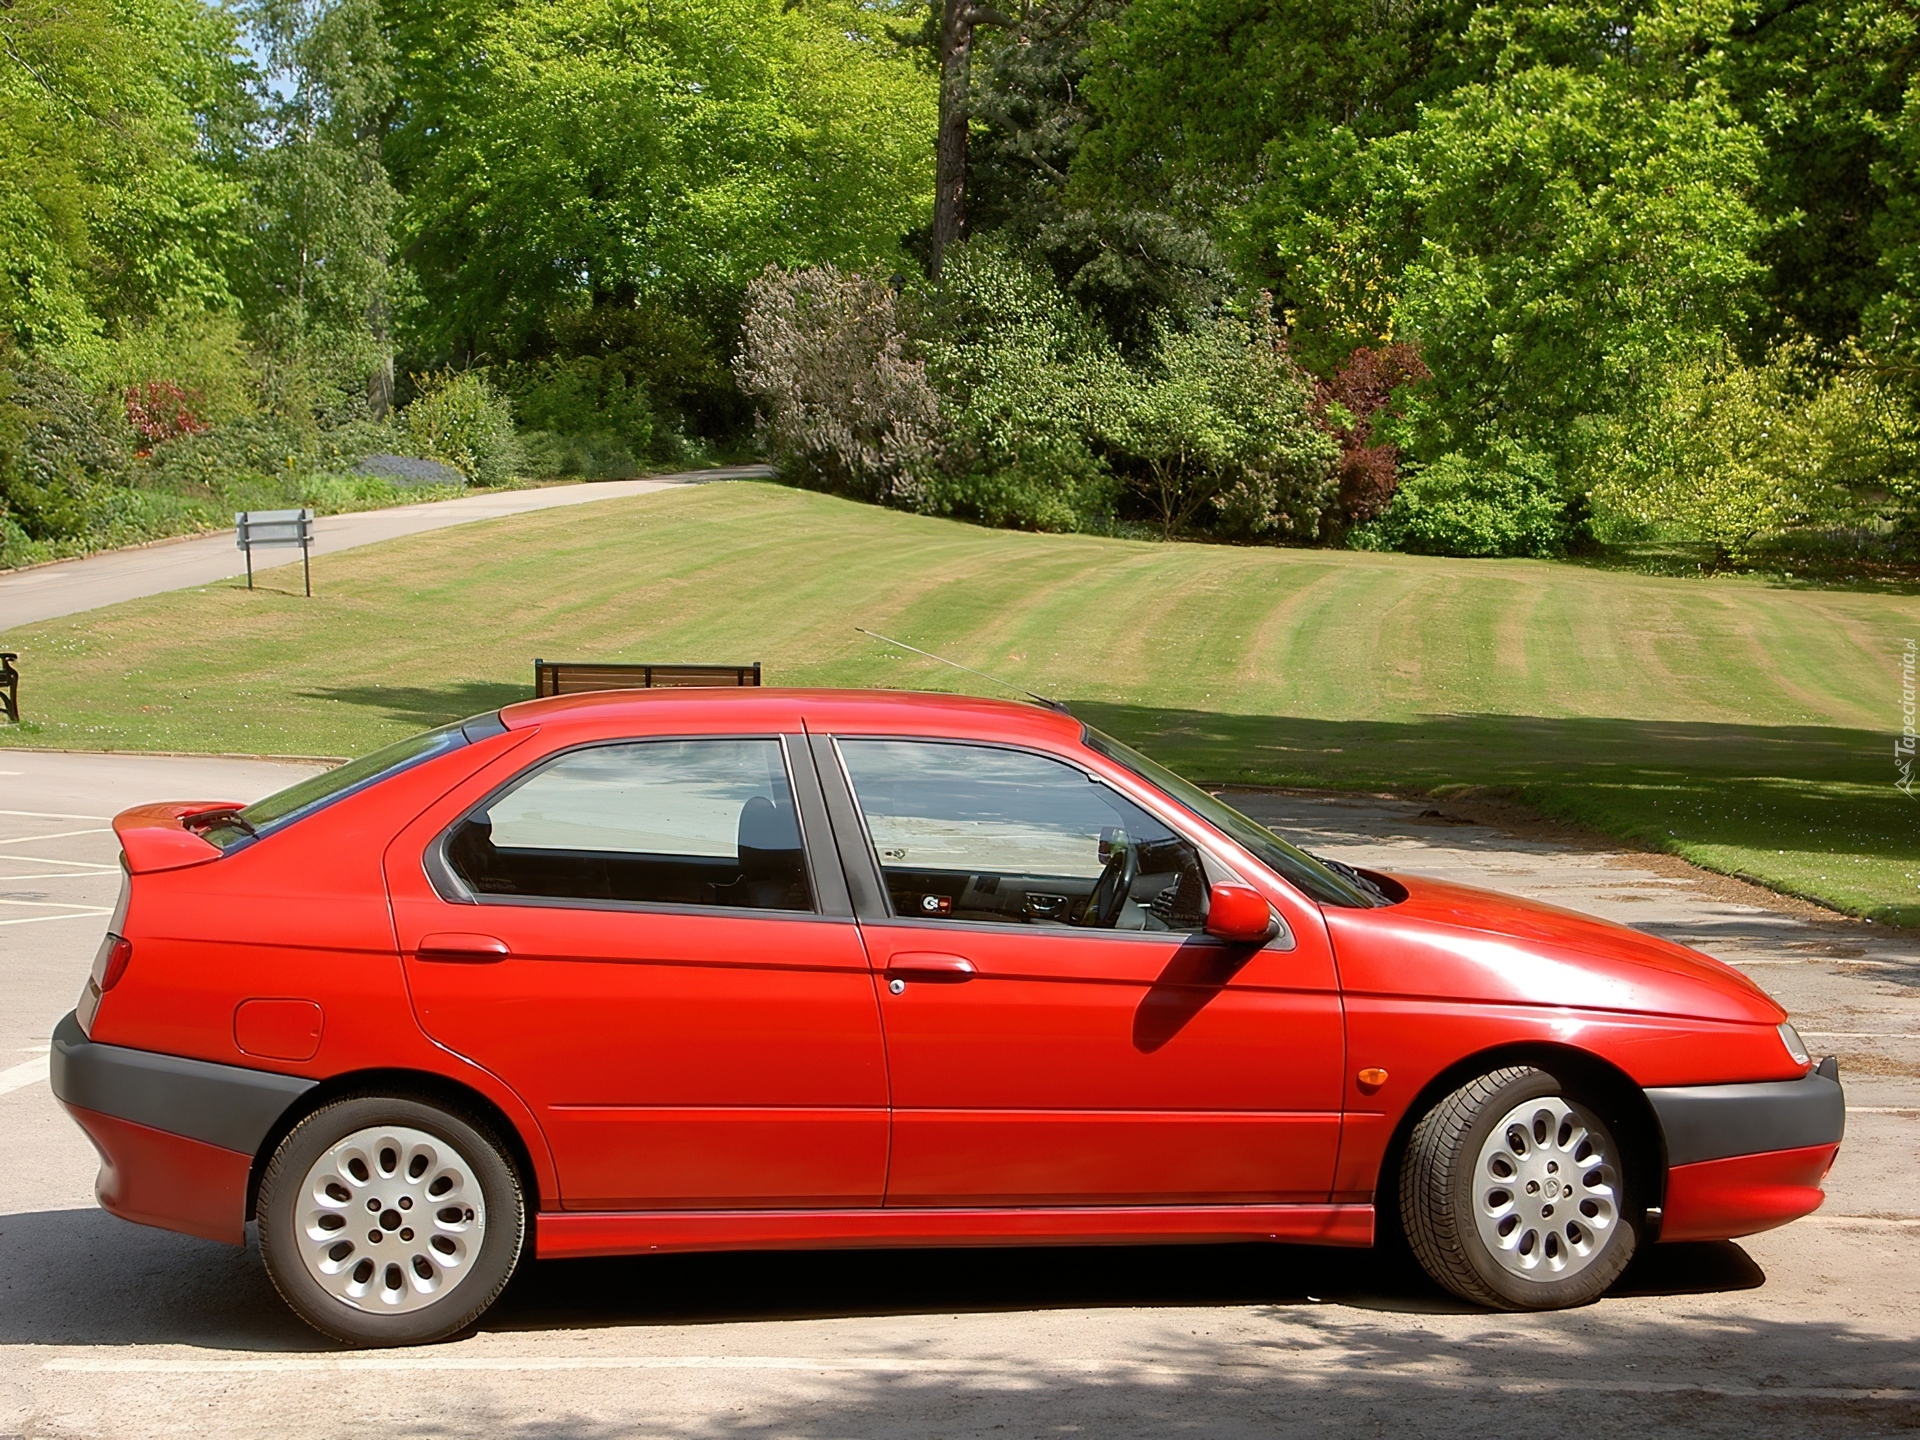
(1240, 915)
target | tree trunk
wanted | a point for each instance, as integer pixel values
(950, 149)
(380, 389)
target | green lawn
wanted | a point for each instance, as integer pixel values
(1745, 725)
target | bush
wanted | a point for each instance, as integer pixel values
(197, 353)
(1734, 455)
(259, 446)
(1225, 431)
(595, 457)
(159, 410)
(61, 449)
(1358, 407)
(1031, 386)
(593, 417)
(844, 404)
(1504, 502)
(459, 418)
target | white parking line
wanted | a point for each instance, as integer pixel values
(1858, 1035)
(56, 875)
(60, 905)
(48, 814)
(28, 1072)
(70, 915)
(991, 1371)
(57, 835)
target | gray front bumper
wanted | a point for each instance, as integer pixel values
(1712, 1122)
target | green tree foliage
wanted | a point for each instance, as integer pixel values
(461, 419)
(1735, 455)
(115, 203)
(318, 284)
(1829, 86)
(1133, 266)
(1221, 427)
(1506, 500)
(558, 157)
(1031, 385)
(1581, 230)
(1253, 119)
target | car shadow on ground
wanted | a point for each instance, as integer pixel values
(819, 1285)
(82, 1277)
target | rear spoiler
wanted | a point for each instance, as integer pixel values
(155, 837)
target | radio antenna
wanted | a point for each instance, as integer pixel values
(1059, 705)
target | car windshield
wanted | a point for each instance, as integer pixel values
(305, 796)
(1309, 873)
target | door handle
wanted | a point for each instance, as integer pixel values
(930, 967)
(468, 949)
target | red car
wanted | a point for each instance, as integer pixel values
(748, 969)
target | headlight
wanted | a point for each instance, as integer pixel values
(1790, 1038)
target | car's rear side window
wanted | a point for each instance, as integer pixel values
(302, 798)
(671, 822)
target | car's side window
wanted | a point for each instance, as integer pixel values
(985, 834)
(675, 822)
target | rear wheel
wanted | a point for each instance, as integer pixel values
(1515, 1194)
(390, 1222)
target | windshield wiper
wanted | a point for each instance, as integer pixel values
(1359, 881)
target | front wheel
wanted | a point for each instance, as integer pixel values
(1515, 1194)
(389, 1222)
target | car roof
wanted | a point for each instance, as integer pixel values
(914, 712)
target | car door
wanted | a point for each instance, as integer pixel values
(649, 940)
(1041, 1054)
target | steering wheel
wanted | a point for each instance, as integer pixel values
(1114, 885)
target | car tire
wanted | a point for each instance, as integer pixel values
(1516, 1195)
(386, 1221)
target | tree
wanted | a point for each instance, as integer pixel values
(1254, 119)
(115, 204)
(1581, 231)
(1028, 117)
(1825, 84)
(319, 283)
(590, 153)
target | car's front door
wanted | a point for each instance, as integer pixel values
(1060, 1030)
(649, 941)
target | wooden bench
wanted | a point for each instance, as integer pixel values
(10, 685)
(568, 677)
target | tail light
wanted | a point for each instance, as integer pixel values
(112, 961)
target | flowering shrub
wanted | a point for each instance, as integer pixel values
(844, 404)
(1351, 405)
(159, 410)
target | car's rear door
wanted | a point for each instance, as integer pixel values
(1037, 1059)
(650, 941)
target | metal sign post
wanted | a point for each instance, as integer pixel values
(276, 527)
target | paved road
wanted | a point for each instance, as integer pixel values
(107, 1329)
(45, 591)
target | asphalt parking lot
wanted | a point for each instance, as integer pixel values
(108, 1329)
